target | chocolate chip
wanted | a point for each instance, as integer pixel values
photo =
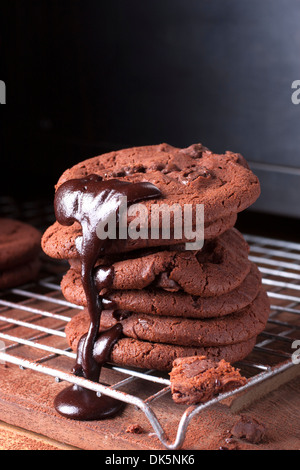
(131, 170)
(158, 166)
(194, 151)
(171, 166)
(118, 173)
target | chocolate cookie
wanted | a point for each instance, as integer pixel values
(19, 243)
(19, 274)
(133, 353)
(58, 241)
(223, 183)
(197, 379)
(233, 328)
(177, 304)
(129, 352)
(218, 268)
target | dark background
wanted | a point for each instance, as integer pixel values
(86, 77)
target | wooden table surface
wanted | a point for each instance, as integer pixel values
(30, 422)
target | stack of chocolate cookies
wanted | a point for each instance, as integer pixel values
(20, 246)
(172, 302)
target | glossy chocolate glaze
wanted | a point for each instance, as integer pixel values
(88, 201)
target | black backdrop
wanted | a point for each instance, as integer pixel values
(85, 77)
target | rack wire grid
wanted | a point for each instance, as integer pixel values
(279, 263)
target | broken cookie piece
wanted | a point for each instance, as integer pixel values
(197, 379)
(135, 429)
(250, 429)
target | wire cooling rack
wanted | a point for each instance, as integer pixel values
(43, 337)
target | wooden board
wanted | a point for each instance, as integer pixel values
(28, 405)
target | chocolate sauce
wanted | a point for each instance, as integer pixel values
(91, 200)
(81, 403)
(104, 276)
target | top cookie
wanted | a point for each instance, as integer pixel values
(194, 175)
(19, 243)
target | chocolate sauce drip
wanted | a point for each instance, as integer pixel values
(80, 403)
(91, 200)
(104, 276)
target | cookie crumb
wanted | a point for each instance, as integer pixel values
(135, 429)
(250, 429)
(197, 379)
(231, 444)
